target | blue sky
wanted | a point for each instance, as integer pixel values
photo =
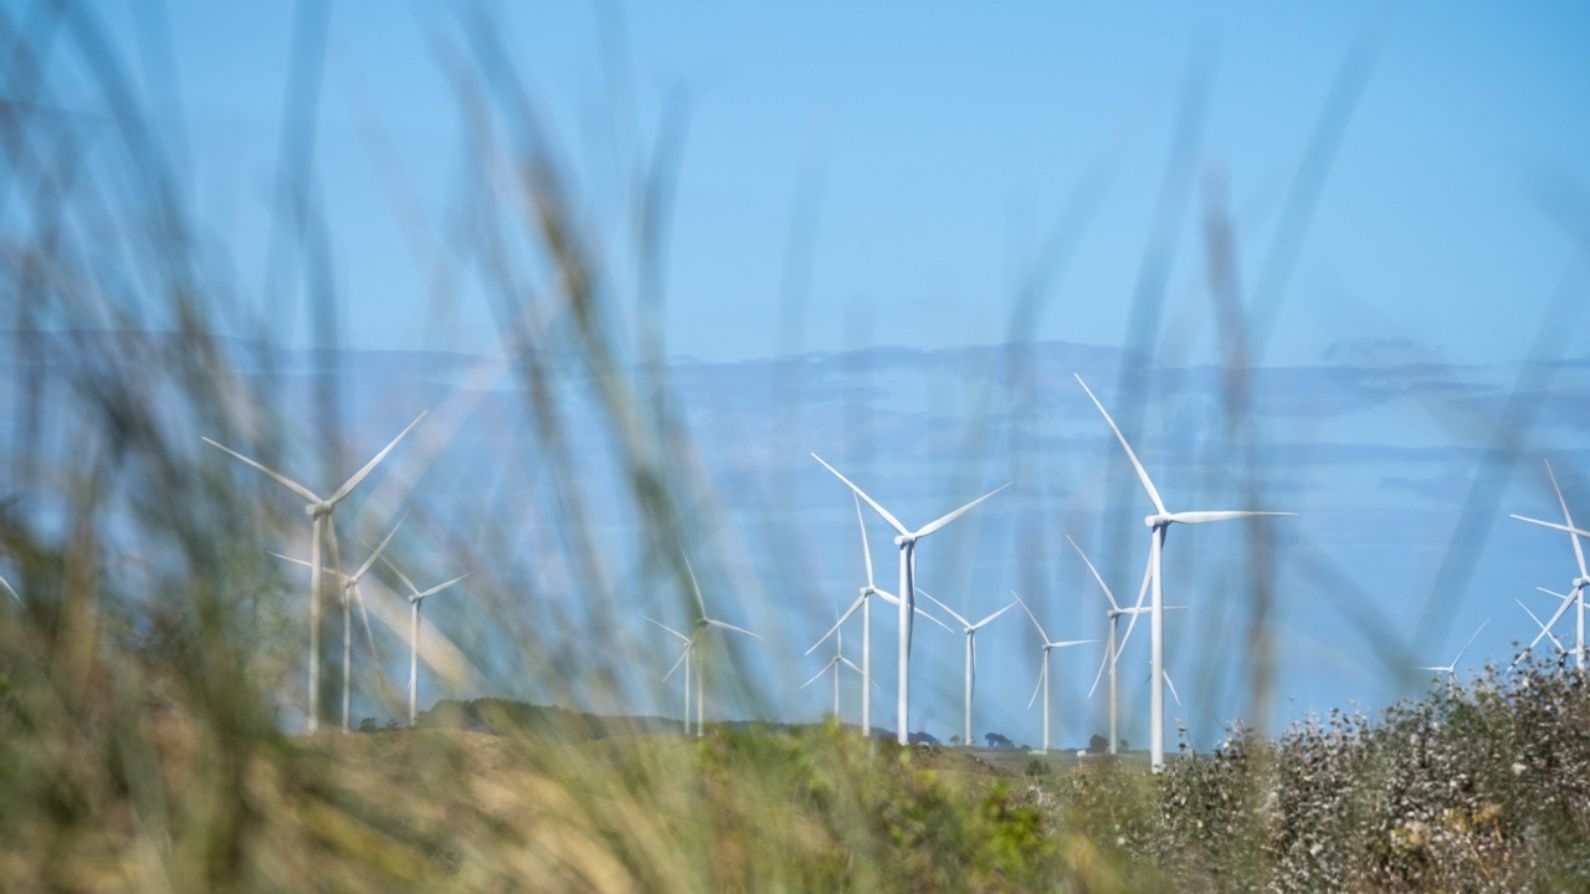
(922, 155)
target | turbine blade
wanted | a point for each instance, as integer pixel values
(680, 660)
(866, 548)
(1137, 465)
(1541, 624)
(6, 585)
(1068, 643)
(1562, 609)
(835, 629)
(962, 621)
(695, 586)
(893, 522)
(726, 626)
(444, 585)
(1096, 576)
(1470, 642)
(943, 520)
(817, 676)
(848, 663)
(1172, 686)
(680, 636)
(1198, 518)
(304, 492)
(1137, 609)
(1553, 525)
(380, 547)
(1554, 593)
(927, 617)
(886, 596)
(991, 617)
(1567, 519)
(1104, 660)
(1031, 616)
(1043, 671)
(285, 558)
(348, 486)
(414, 591)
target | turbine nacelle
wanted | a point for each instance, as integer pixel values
(904, 540)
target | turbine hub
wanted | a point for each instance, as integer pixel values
(317, 510)
(904, 540)
(1155, 521)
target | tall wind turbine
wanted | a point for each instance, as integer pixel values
(970, 630)
(1579, 583)
(417, 596)
(684, 659)
(319, 511)
(703, 624)
(349, 587)
(1451, 669)
(1158, 524)
(835, 664)
(864, 605)
(1114, 614)
(1049, 645)
(906, 541)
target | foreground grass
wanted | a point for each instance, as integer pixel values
(1475, 790)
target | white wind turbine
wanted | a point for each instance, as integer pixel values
(684, 659)
(906, 541)
(319, 511)
(863, 604)
(835, 664)
(349, 586)
(1158, 524)
(1049, 645)
(970, 630)
(1451, 669)
(1576, 592)
(703, 623)
(417, 596)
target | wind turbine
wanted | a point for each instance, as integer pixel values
(319, 511)
(1043, 669)
(863, 604)
(1576, 592)
(417, 596)
(906, 541)
(970, 630)
(1451, 669)
(704, 623)
(349, 586)
(835, 664)
(684, 659)
(1114, 614)
(1159, 524)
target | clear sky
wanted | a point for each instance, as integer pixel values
(936, 148)
(899, 169)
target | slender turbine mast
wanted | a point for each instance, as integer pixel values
(906, 541)
(319, 511)
(970, 630)
(1576, 592)
(1158, 524)
(863, 603)
(349, 587)
(417, 596)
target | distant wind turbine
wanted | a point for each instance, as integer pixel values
(906, 541)
(970, 630)
(1576, 592)
(349, 587)
(1049, 645)
(684, 660)
(703, 623)
(862, 602)
(835, 664)
(1451, 669)
(1159, 524)
(319, 511)
(417, 596)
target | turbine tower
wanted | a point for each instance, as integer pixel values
(1159, 524)
(1043, 669)
(906, 541)
(703, 624)
(349, 587)
(1576, 592)
(319, 511)
(970, 630)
